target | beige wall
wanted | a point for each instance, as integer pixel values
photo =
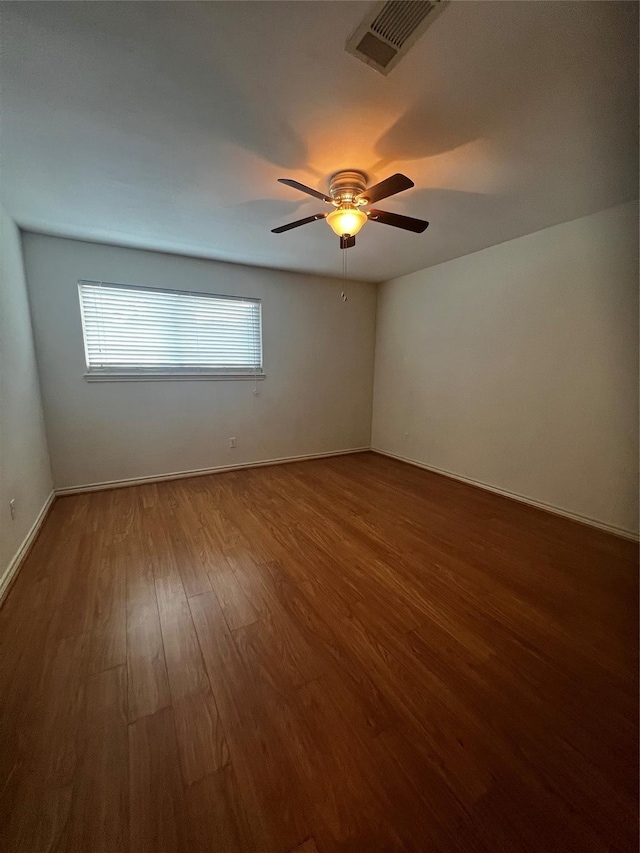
(318, 355)
(25, 474)
(517, 367)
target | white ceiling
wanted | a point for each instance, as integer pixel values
(166, 125)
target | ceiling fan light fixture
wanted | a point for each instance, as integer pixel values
(346, 219)
(348, 193)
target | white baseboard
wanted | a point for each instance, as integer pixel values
(12, 569)
(199, 472)
(556, 510)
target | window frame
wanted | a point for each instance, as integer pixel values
(163, 375)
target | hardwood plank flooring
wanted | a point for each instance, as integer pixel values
(146, 669)
(347, 654)
(201, 741)
(158, 819)
(98, 818)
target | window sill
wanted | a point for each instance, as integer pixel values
(173, 377)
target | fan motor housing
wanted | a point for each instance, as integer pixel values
(344, 186)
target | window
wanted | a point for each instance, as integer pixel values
(144, 332)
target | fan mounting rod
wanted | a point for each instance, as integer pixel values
(346, 185)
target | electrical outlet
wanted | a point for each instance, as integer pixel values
(12, 508)
(232, 441)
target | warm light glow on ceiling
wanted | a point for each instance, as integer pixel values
(346, 220)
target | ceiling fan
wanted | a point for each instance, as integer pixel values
(349, 194)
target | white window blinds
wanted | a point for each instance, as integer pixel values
(142, 330)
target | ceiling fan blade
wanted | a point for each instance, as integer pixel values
(398, 221)
(298, 223)
(347, 241)
(390, 186)
(305, 189)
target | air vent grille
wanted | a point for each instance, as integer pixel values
(380, 52)
(390, 29)
(399, 18)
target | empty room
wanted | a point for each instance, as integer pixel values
(319, 426)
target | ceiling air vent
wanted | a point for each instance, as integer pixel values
(390, 29)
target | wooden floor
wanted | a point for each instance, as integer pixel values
(345, 654)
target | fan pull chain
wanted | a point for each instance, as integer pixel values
(344, 275)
